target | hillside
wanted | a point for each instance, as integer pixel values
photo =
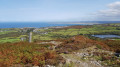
(69, 46)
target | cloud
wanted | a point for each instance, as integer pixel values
(115, 5)
(110, 14)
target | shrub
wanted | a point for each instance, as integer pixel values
(25, 53)
(98, 46)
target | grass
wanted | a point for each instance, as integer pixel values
(63, 33)
(9, 39)
(117, 39)
(92, 30)
(95, 29)
(45, 30)
(42, 37)
(6, 32)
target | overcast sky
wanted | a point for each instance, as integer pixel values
(59, 10)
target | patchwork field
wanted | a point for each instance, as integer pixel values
(11, 35)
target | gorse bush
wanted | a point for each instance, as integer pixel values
(113, 44)
(79, 42)
(24, 53)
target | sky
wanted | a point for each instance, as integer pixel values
(59, 10)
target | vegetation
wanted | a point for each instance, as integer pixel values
(24, 53)
(53, 46)
(114, 45)
(56, 33)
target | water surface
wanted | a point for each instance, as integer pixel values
(107, 36)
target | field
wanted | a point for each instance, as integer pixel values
(53, 33)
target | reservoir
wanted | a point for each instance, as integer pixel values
(107, 36)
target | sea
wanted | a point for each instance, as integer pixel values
(49, 24)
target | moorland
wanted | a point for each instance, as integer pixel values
(64, 46)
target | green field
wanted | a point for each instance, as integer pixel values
(53, 33)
